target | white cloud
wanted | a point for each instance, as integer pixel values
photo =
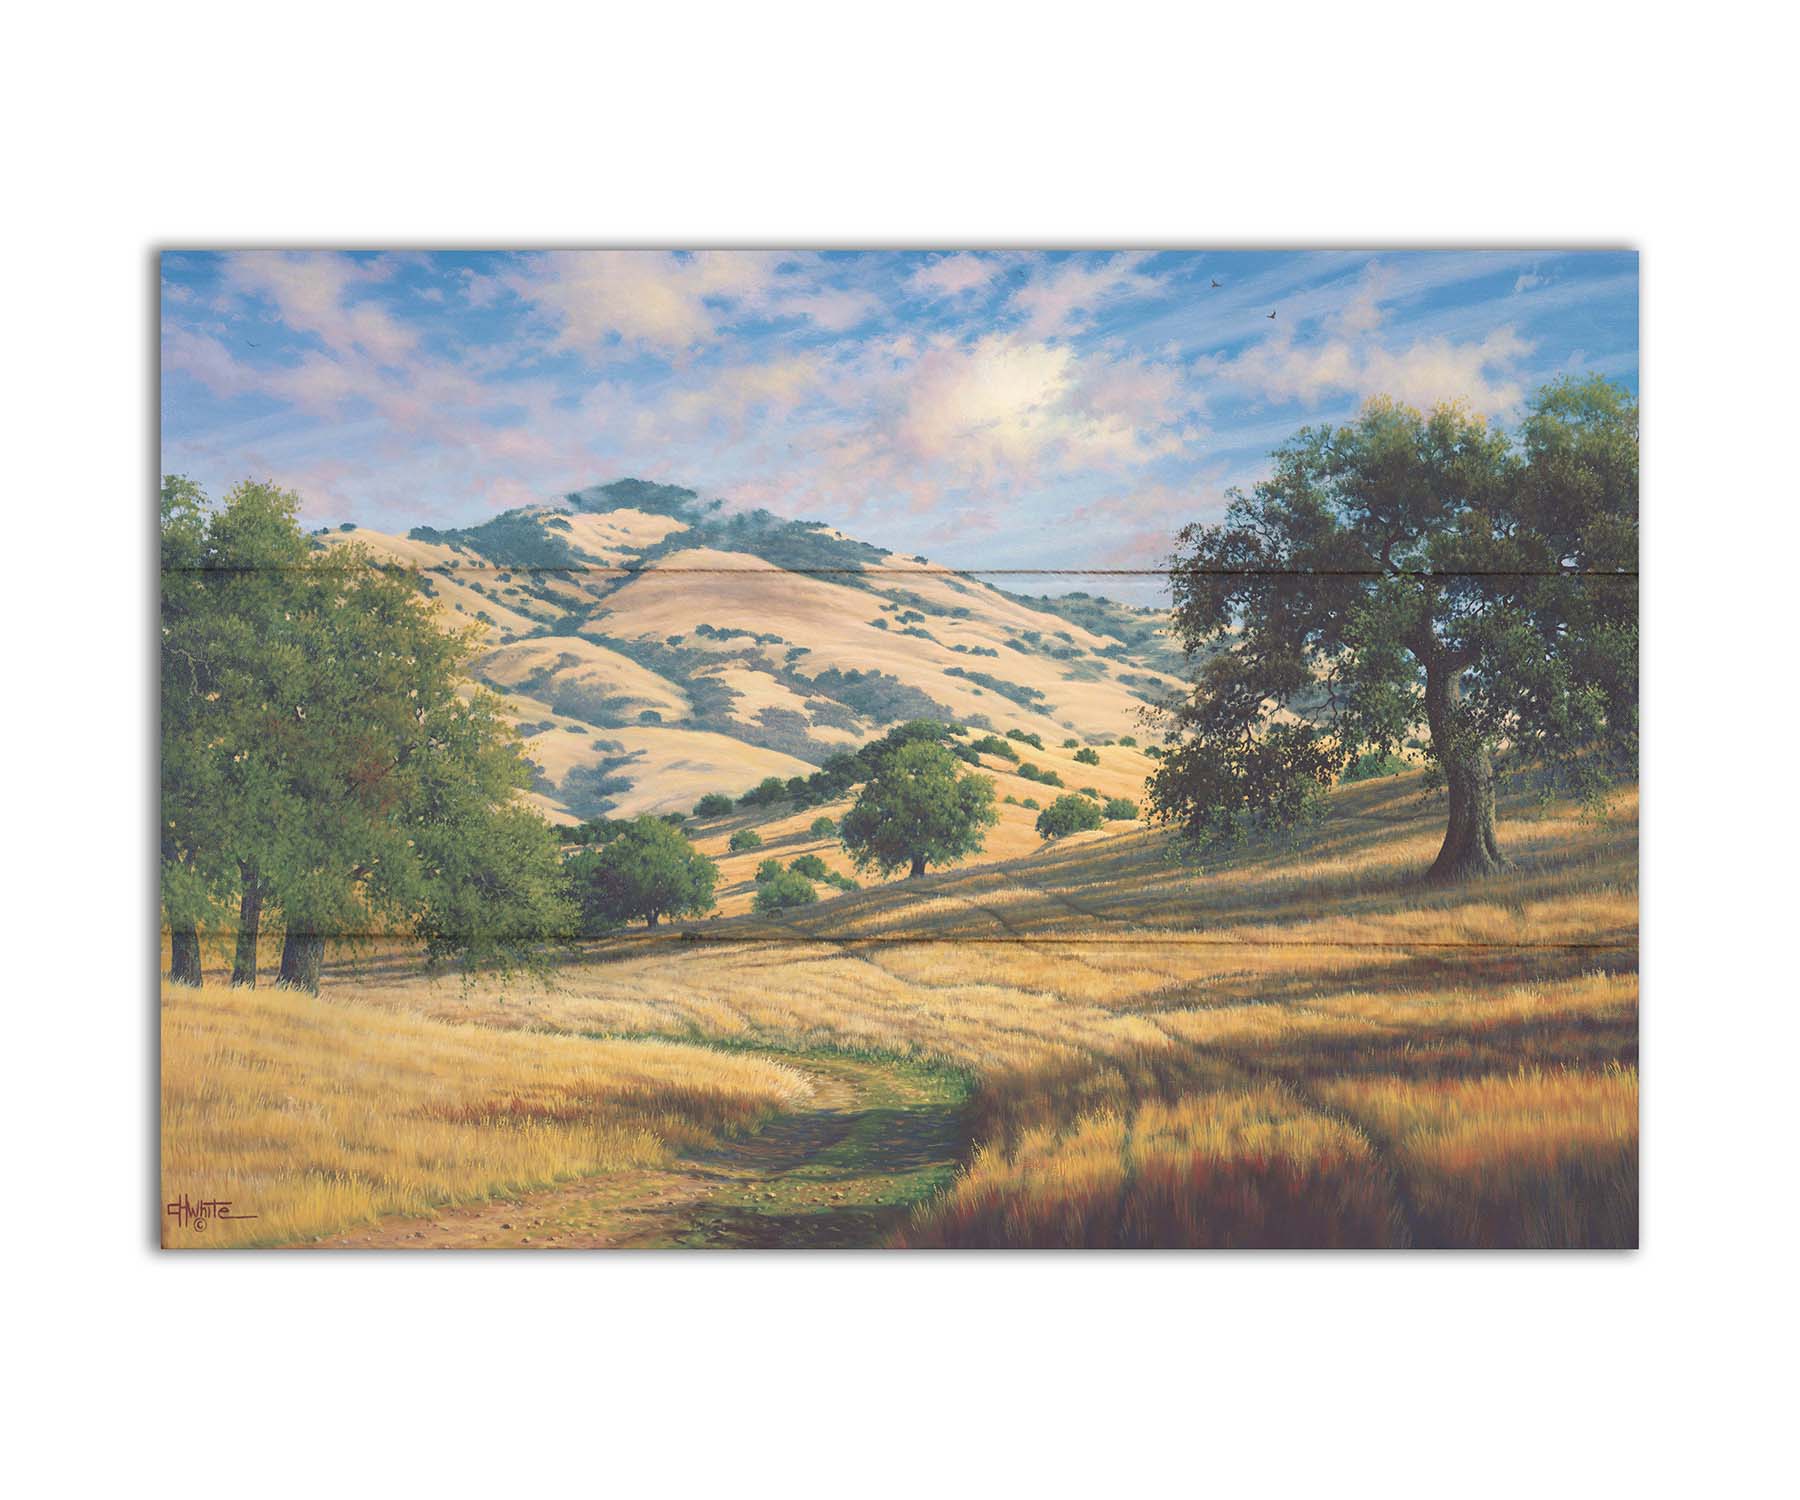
(1066, 294)
(1008, 407)
(1423, 374)
(833, 310)
(674, 305)
(203, 357)
(954, 275)
(311, 293)
(637, 297)
(1350, 358)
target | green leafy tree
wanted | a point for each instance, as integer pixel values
(322, 749)
(767, 792)
(811, 866)
(822, 827)
(194, 863)
(1408, 571)
(784, 892)
(1120, 810)
(917, 810)
(648, 872)
(1088, 757)
(768, 870)
(713, 805)
(745, 838)
(1069, 813)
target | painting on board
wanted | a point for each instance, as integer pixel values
(910, 749)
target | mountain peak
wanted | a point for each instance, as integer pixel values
(644, 495)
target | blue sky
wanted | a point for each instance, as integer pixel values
(994, 408)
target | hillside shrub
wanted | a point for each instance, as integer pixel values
(745, 838)
(1068, 814)
(783, 892)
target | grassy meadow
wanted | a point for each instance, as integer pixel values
(316, 1113)
(1296, 1044)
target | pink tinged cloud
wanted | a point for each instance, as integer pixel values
(1063, 296)
(311, 293)
(954, 275)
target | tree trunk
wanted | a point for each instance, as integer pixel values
(918, 867)
(184, 955)
(243, 963)
(651, 922)
(301, 955)
(1469, 846)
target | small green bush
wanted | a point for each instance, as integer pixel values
(809, 865)
(822, 827)
(713, 805)
(1128, 739)
(768, 870)
(1070, 744)
(1068, 814)
(782, 893)
(1088, 757)
(1120, 810)
(745, 838)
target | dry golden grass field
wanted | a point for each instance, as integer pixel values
(1081, 1044)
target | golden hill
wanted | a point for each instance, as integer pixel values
(652, 648)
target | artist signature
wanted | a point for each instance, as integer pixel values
(197, 1216)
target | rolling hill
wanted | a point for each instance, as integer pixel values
(653, 646)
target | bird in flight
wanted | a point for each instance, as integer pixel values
(253, 346)
(1215, 281)
(1271, 315)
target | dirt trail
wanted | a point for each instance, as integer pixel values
(879, 1136)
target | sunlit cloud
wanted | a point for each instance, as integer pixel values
(1017, 406)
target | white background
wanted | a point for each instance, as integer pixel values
(937, 125)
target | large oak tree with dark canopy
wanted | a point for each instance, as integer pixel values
(1404, 574)
(326, 759)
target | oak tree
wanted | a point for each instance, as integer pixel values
(916, 810)
(1409, 572)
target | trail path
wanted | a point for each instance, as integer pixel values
(878, 1137)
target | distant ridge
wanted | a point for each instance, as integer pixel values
(640, 687)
